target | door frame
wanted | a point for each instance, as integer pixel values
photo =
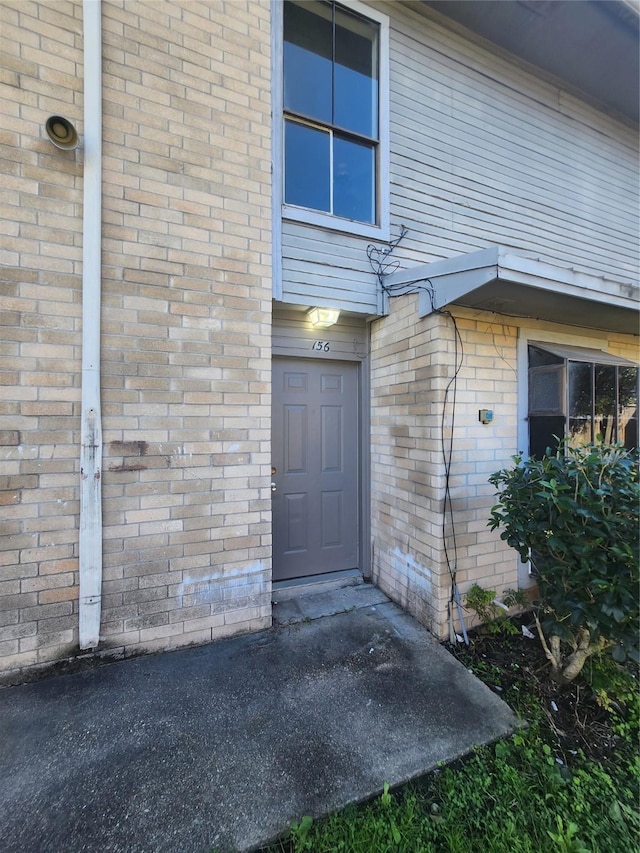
(292, 337)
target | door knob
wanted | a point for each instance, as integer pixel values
(274, 487)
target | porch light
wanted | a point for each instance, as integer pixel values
(322, 318)
(61, 132)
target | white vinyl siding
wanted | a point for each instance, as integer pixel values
(318, 269)
(482, 152)
(292, 335)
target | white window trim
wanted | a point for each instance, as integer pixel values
(316, 218)
(277, 143)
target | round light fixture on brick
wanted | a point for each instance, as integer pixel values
(61, 132)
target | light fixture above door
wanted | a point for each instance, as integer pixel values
(322, 318)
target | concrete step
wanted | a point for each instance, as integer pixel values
(306, 603)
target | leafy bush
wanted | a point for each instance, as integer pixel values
(491, 611)
(574, 514)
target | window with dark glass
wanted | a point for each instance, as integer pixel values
(331, 132)
(581, 398)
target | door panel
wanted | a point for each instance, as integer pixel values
(331, 534)
(332, 439)
(315, 457)
(296, 522)
(295, 440)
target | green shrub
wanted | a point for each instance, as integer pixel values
(575, 515)
(493, 614)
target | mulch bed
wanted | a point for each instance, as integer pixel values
(515, 666)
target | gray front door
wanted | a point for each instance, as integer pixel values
(315, 462)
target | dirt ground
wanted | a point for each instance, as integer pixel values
(515, 665)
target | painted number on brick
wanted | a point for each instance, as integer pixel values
(321, 346)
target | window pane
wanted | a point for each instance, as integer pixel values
(308, 51)
(307, 166)
(539, 357)
(546, 390)
(580, 403)
(353, 180)
(544, 433)
(628, 406)
(356, 75)
(605, 403)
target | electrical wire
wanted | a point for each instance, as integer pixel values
(447, 450)
(379, 256)
(382, 266)
(447, 457)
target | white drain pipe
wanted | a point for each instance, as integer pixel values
(90, 541)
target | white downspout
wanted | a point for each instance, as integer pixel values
(90, 541)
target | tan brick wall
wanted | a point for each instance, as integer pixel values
(412, 364)
(186, 300)
(40, 257)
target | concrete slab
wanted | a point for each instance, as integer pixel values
(221, 746)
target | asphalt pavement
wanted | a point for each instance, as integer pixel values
(220, 747)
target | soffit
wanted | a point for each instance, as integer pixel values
(593, 45)
(501, 281)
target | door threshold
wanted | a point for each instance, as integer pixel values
(320, 597)
(295, 587)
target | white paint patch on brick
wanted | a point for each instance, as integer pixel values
(406, 560)
(235, 583)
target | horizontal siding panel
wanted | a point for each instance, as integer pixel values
(458, 186)
(329, 269)
(474, 197)
(574, 108)
(475, 135)
(321, 272)
(292, 334)
(506, 170)
(472, 233)
(331, 276)
(468, 133)
(314, 292)
(562, 235)
(315, 246)
(477, 108)
(456, 54)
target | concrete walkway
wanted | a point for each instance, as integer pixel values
(221, 746)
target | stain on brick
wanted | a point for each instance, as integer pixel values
(9, 438)
(129, 448)
(24, 481)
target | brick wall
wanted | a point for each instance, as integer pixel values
(41, 313)
(186, 300)
(413, 362)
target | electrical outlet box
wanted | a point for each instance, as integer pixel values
(485, 416)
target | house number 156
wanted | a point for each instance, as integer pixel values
(321, 346)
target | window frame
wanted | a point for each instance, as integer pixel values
(539, 337)
(292, 213)
(592, 356)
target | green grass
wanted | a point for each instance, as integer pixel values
(516, 796)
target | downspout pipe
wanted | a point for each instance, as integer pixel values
(90, 537)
